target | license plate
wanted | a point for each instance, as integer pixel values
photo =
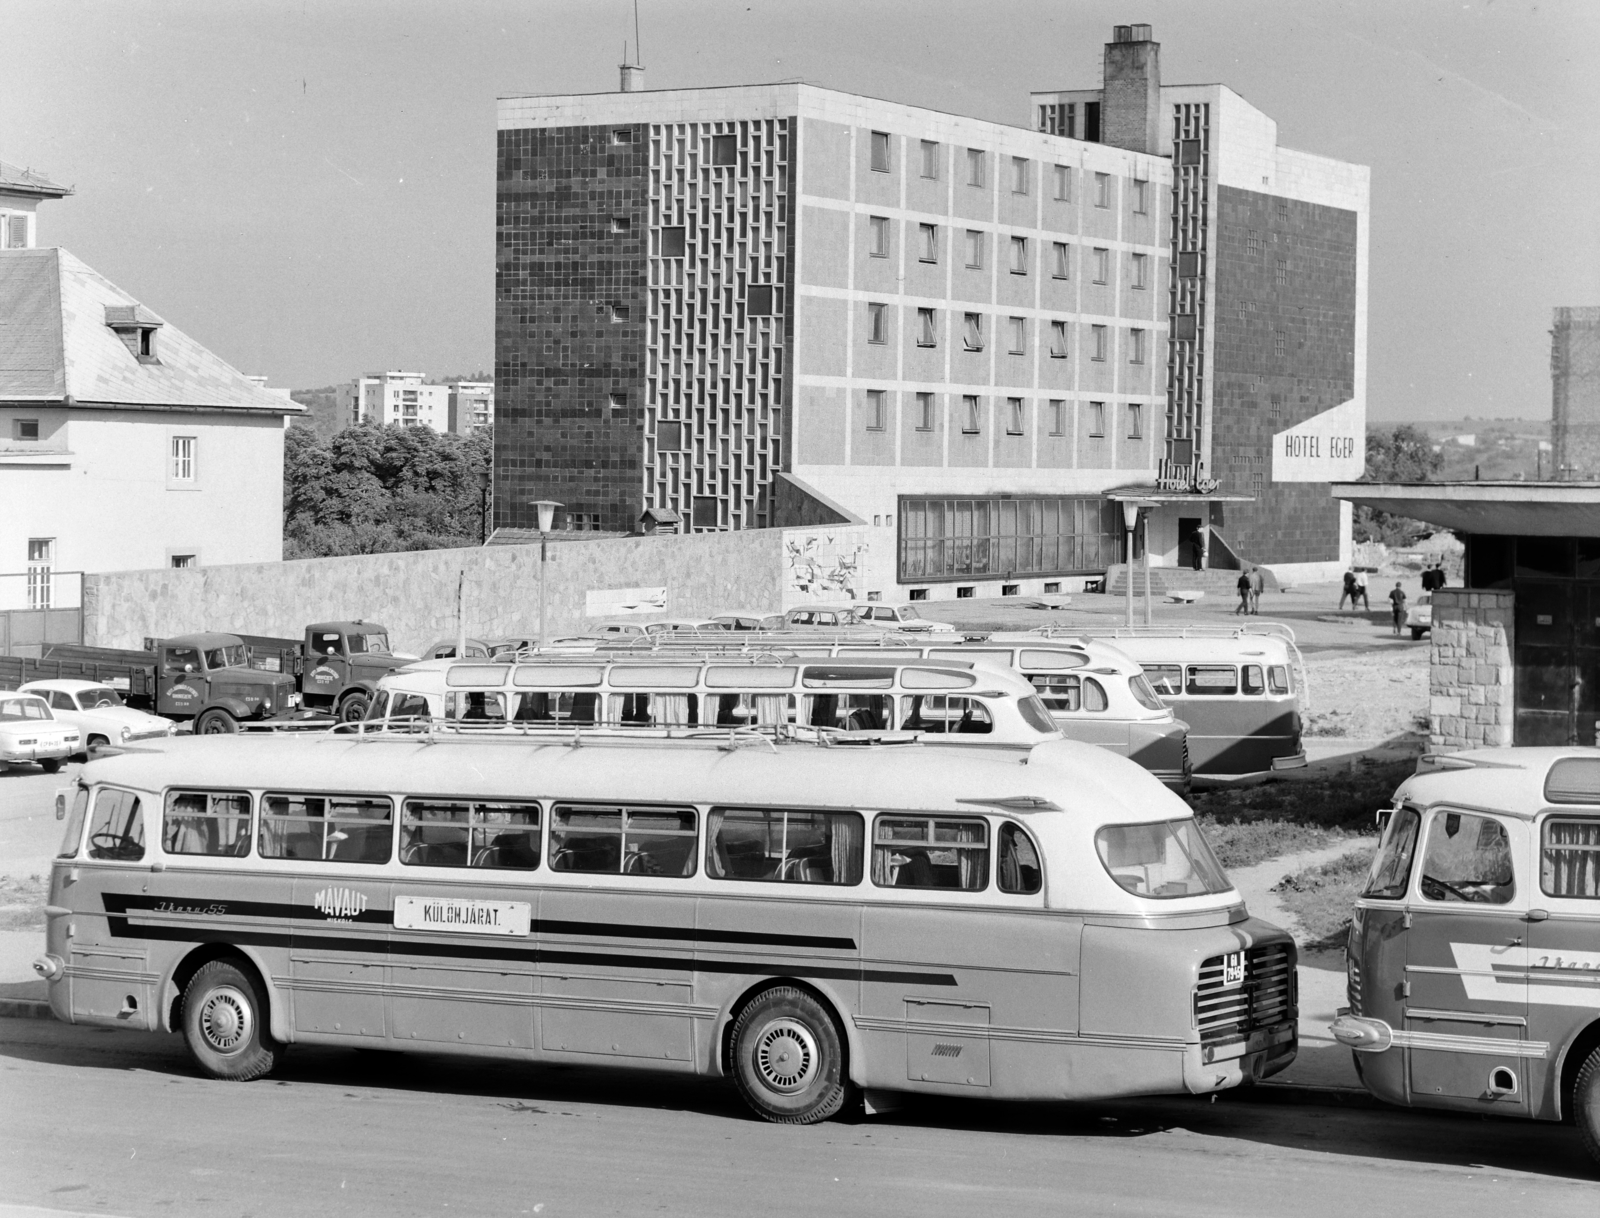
(1233, 968)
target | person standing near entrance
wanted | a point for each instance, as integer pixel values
(1243, 585)
(1258, 585)
(1397, 599)
(1361, 590)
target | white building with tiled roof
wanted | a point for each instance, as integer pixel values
(20, 192)
(124, 443)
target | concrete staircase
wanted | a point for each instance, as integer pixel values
(1215, 582)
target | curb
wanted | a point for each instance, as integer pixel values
(25, 1008)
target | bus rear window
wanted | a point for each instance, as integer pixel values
(1035, 715)
(1278, 679)
(785, 845)
(1139, 686)
(1213, 679)
(1164, 860)
(1254, 681)
(1391, 868)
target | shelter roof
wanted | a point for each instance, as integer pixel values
(1523, 509)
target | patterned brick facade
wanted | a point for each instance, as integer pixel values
(1285, 321)
(572, 218)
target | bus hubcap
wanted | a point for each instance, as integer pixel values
(225, 1019)
(786, 1056)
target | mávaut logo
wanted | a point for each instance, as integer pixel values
(340, 904)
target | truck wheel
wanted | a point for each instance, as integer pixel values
(353, 709)
(224, 1023)
(215, 723)
(50, 764)
(1416, 635)
(787, 1058)
(1586, 1105)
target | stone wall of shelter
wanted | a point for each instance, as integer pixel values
(1471, 680)
(415, 594)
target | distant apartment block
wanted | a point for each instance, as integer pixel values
(781, 304)
(471, 405)
(394, 397)
(1575, 393)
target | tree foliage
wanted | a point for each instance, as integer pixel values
(371, 490)
(1402, 454)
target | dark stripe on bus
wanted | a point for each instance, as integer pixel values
(126, 903)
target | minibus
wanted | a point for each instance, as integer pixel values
(1241, 690)
(813, 922)
(1474, 952)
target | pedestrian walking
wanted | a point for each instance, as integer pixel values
(1361, 590)
(1258, 585)
(1243, 585)
(1397, 599)
(1349, 592)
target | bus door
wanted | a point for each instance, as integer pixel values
(1466, 990)
(616, 967)
(1563, 948)
(338, 951)
(1376, 955)
(963, 975)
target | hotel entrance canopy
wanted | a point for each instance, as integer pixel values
(1523, 509)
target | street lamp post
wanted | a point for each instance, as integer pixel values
(1130, 521)
(547, 514)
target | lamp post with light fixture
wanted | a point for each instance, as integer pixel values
(1133, 512)
(547, 515)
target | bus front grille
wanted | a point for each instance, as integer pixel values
(1228, 1010)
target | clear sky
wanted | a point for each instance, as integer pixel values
(307, 187)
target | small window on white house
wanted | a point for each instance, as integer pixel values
(1063, 183)
(1102, 190)
(1141, 197)
(1061, 260)
(25, 429)
(1019, 175)
(924, 412)
(181, 561)
(1135, 421)
(1141, 271)
(183, 458)
(15, 231)
(1102, 266)
(1136, 346)
(974, 249)
(1099, 338)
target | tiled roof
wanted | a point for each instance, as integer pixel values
(55, 341)
(16, 180)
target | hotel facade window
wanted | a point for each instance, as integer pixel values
(1019, 255)
(1061, 260)
(1102, 190)
(924, 412)
(1141, 197)
(1136, 346)
(879, 247)
(1097, 419)
(974, 249)
(930, 159)
(1013, 416)
(1135, 421)
(875, 409)
(1058, 416)
(972, 331)
(1141, 271)
(1019, 336)
(1063, 176)
(880, 152)
(1058, 340)
(959, 539)
(1098, 339)
(927, 328)
(1102, 266)
(877, 323)
(929, 235)
(971, 420)
(1019, 175)
(975, 167)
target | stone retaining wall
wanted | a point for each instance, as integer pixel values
(1471, 681)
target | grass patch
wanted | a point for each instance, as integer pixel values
(1322, 897)
(22, 901)
(1249, 825)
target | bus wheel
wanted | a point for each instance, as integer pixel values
(787, 1058)
(215, 723)
(224, 1023)
(353, 709)
(1586, 1105)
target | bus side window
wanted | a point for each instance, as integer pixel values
(378, 707)
(558, 707)
(1253, 682)
(408, 706)
(792, 846)
(1569, 863)
(440, 834)
(751, 710)
(852, 712)
(1165, 679)
(657, 710)
(629, 841)
(73, 837)
(1094, 696)
(475, 706)
(116, 831)
(1213, 679)
(1057, 691)
(941, 714)
(1019, 861)
(207, 823)
(930, 852)
(1278, 679)
(1468, 859)
(326, 828)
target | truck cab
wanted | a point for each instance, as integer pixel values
(343, 664)
(208, 678)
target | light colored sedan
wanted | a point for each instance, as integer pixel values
(98, 712)
(29, 732)
(1420, 619)
(900, 617)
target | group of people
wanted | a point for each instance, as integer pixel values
(1355, 589)
(1251, 585)
(1434, 577)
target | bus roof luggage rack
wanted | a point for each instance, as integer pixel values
(428, 730)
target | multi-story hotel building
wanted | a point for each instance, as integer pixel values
(782, 304)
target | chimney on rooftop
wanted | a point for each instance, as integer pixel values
(1130, 114)
(632, 77)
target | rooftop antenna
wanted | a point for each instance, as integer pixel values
(633, 73)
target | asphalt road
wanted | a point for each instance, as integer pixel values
(117, 1123)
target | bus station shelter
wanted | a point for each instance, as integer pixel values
(1515, 652)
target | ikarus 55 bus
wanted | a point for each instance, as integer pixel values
(812, 919)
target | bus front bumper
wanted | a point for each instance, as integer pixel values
(1233, 1063)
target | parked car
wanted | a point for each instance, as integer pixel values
(748, 619)
(445, 649)
(679, 625)
(1420, 619)
(99, 713)
(900, 617)
(821, 615)
(29, 732)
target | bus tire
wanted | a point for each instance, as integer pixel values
(353, 707)
(215, 723)
(1586, 1105)
(225, 1023)
(788, 1059)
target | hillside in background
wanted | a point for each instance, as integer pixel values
(1491, 449)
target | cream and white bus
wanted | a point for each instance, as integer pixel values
(811, 921)
(1092, 691)
(969, 703)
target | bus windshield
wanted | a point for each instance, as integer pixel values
(1163, 860)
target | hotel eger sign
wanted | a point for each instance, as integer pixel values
(1328, 447)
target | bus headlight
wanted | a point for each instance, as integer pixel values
(49, 967)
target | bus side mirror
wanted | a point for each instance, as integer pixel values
(1381, 818)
